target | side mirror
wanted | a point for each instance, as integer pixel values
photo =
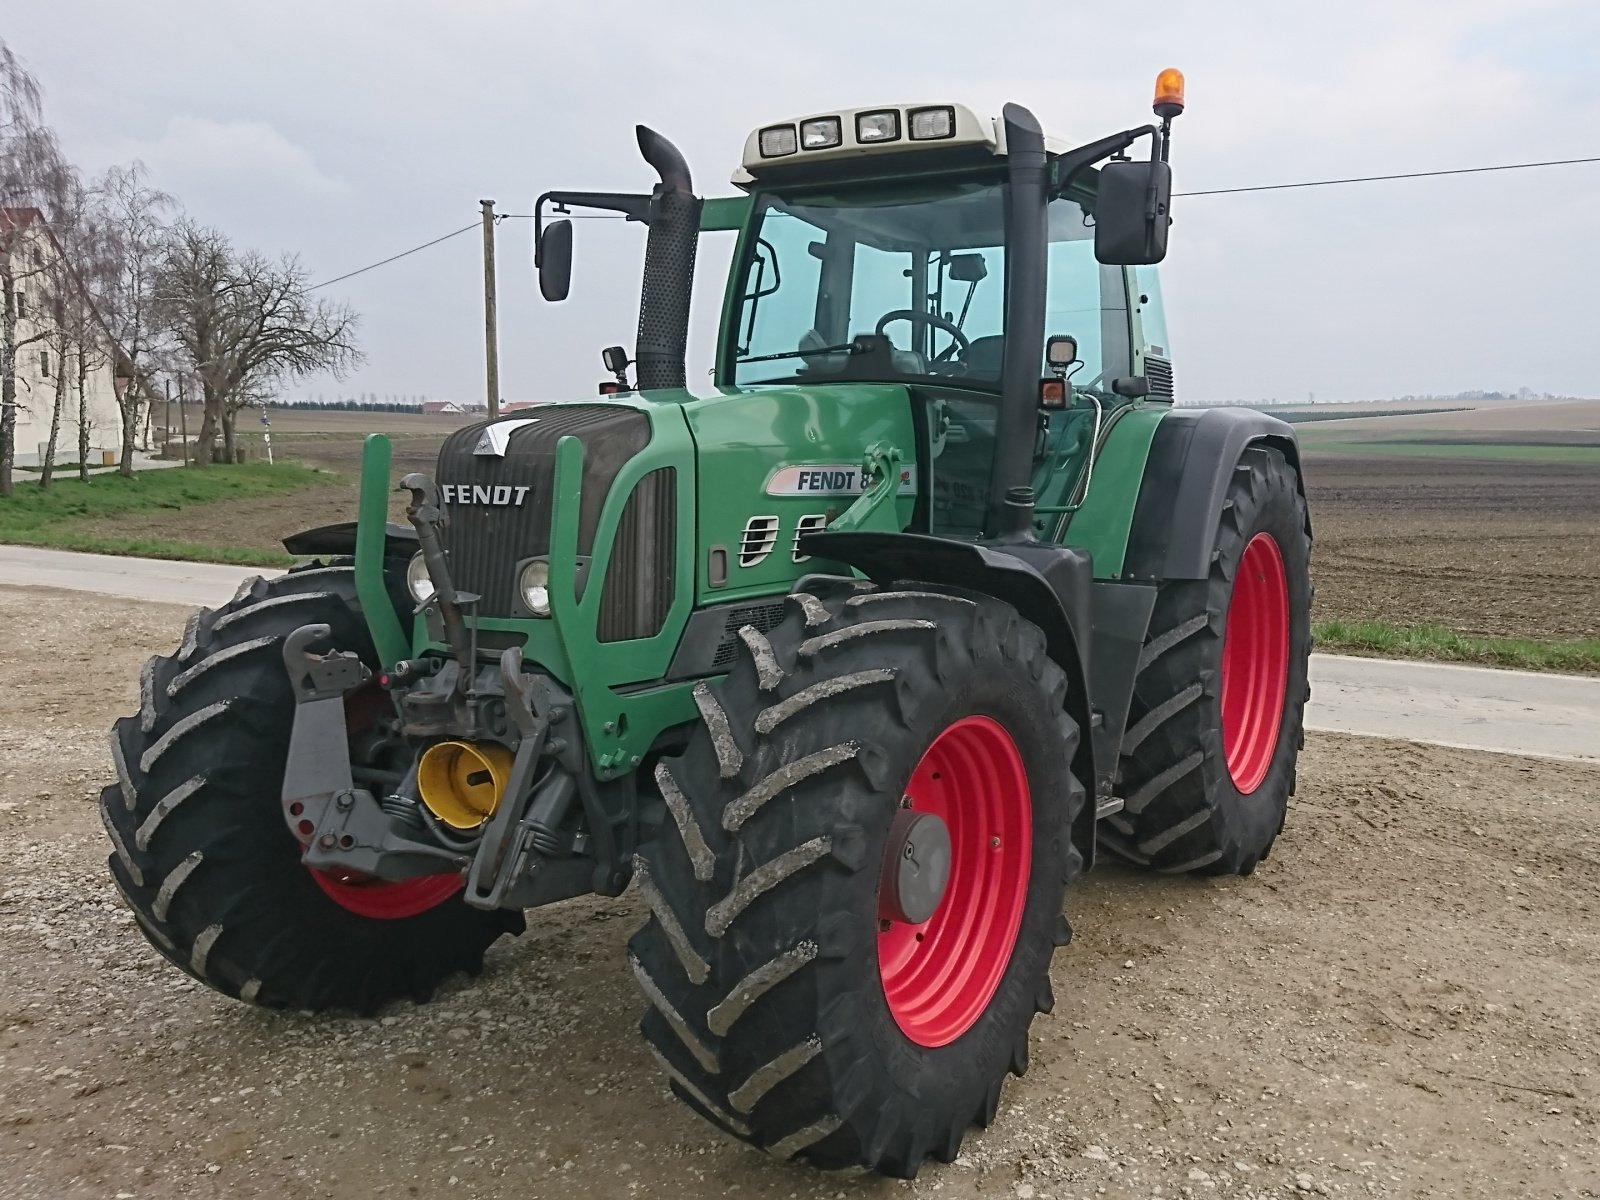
(1132, 212)
(552, 257)
(1131, 386)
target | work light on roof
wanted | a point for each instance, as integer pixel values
(819, 133)
(881, 126)
(778, 140)
(931, 124)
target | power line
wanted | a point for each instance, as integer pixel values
(1278, 187)
(392, 258)
(1265, 187)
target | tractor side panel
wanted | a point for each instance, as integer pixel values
(1103, 522)
(775, 462)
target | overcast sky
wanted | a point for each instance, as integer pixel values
(347, 130)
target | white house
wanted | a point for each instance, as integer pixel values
(32, 249)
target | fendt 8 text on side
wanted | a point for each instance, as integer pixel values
(849, 662)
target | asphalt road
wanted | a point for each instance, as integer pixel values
(1510, 712)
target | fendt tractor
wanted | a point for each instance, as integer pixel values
(850, 662)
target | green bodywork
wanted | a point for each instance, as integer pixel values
(724, 447)
(739, 453)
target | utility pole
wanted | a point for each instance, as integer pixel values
(491, 332)
(183, 416)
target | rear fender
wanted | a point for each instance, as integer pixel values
(1185, 482)
(1048, 585)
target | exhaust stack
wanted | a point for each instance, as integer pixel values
(668, 267)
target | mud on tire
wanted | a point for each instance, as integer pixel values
(760, 960)
(1185, 811)
(201, 852)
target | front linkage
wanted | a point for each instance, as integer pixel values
(497, 780)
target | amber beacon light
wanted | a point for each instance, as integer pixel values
(1169, 93)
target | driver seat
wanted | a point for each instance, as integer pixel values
(986, 355)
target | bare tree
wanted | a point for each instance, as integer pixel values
(243, 325)
(131, 217)
(31, 170)
(77, 335)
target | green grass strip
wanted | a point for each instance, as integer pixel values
(35, 516)
(65, 539)
(31, 508)
(1433, 641)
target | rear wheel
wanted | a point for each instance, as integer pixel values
(1208, 761)
(855, 903)
(202, 854)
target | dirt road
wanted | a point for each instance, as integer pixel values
(1403, 1001)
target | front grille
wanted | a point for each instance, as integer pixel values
(763, 616)
(640, 578)
(1158, 371)
(486, 541)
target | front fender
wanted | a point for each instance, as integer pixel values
(1185, 482)
(1048, 585)
(399, 541)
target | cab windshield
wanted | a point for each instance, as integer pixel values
(899, 282)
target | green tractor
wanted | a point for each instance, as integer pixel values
(849, 662)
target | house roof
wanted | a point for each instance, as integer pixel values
(14, 219)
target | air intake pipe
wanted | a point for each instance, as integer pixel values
(1028, 233)
(668, 267)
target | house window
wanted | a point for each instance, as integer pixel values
(44, 363)
(22, 303)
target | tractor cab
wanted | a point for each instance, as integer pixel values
(847, 274)
(923, 246)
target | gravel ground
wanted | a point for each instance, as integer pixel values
(1403, 1001)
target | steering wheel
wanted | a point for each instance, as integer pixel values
(917, 316)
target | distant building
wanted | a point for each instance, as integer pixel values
(441, 406)
(32, 249)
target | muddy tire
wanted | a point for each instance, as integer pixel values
(783, 1005)
(201, 852)
(1208, 761)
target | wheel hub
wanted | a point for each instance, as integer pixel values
(916, 867)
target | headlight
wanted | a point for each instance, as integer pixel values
(417, 581)
(878, 126)
(930, 124)
(777, 140)
(820, 133)
(535, 586)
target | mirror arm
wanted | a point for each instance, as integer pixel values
(633, 206)
(1071, 163)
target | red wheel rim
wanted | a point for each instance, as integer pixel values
(384, 900)
(1255, 663)
(939, 976)
(380, 899)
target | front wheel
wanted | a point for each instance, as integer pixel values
(856, 899)
(1208, 760)
(200, 849)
